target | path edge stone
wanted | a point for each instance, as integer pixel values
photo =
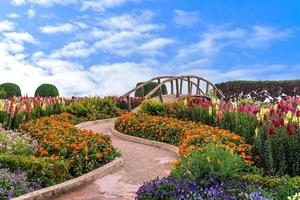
(161, 145)
(68, 186)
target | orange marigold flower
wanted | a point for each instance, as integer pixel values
(73, 145)
(98, 155)
(43, 153)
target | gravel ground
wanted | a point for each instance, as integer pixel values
(142, 163)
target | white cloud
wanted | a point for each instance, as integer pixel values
(59, 28)
(78, 49)
(43, 2)
(154, 46)
(13, 15)
(263, 36)
(211, 43)
(6, 26)
(185, 18)
(31, 13)
(215, 41)
(122, 43)
(118, 78)
(139, 23)
(128, 34)
(102, 5)
(20, 37)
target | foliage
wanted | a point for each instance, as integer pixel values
(14, 111)
(16, 143)
(148, 88)
(46, 90)
(60, 140)
(11, 90)
(259, 90)
(2, 93)
(153, 107)
(13, 184)
(284, 186)
(212, 161)
(93, 108)
(188, 135)
(123, 104)
(46, 171)
(278, 138)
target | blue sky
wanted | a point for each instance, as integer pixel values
(103, 47)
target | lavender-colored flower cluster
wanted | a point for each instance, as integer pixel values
(233, 190)
(14, 184)
(170, 188)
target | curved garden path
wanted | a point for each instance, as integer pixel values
(141, 163)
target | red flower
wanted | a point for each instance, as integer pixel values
(290, 128)
(271, 130)
(298, 113)
(275, 123)
(281, 121)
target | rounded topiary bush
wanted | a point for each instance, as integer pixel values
(46, 90)
(11, 90)
(2, 93)
(148, 88)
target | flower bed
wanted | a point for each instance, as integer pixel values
(60, 140)
(188, 135)
(213, 164)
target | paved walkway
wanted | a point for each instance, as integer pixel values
(141, 163)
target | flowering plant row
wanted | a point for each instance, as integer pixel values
(60, 140)
(16, 110)
(278, 137)
(188, 135)
(19, 109)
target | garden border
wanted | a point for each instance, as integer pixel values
(165, 146)
(68, 186)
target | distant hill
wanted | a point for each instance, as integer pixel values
(265, 91)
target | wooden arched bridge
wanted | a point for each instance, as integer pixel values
(180, 87)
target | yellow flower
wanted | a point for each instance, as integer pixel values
(208, 159)
(294, 197)
(218, 162)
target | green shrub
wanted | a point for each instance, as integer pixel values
(212, 161)
(153, 107)
(286, 186)
(94, 108)
(11, 90)
(148, 88)
(2, 93)
(280, 152)
(45, 170)
(241, 123)
(46, 90)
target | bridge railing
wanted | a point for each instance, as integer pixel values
(191, 80)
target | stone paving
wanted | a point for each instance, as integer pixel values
(141, 163)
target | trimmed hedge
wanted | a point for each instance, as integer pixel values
(148, 88)
(46, 90)
(11, 90)
(45, 170)
(2, 93)
(259, 90)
